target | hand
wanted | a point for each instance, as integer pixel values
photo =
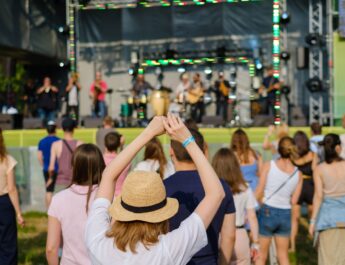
(271, 130)
(156, 126)
(49, 182)
(311, 230)
(20, 220)
(254, 252)
(175, 128)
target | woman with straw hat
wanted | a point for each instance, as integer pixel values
(138, 233)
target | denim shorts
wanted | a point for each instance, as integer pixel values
(274, 221)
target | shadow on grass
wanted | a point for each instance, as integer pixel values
(306, 254)
(32, 250)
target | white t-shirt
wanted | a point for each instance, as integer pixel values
(342, 139)
(243, 201)
(175, 248)
(73, 96)
(153, 165)
(314, 140)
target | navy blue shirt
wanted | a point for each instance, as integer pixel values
(270, 81)
(44, 146)
(186, 187)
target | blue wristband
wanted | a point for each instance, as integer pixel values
(188, 141)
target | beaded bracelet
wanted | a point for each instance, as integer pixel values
(188, 141)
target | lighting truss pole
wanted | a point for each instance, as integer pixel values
(315, 60)
(72, 40)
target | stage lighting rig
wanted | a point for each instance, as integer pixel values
(285, 18)
(314, 84)
(286, 90)
(314, 39)
(63, 29)
(284, 55)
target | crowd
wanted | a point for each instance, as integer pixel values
(181, 210)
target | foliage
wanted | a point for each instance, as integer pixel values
(14, 82)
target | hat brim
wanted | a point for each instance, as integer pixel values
(118, 213)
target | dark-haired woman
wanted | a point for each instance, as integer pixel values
(306, 162)
(249, 160)
(68, 210)
(328, 217)
(155, 160)
(227, 167)
(280, 185)
(9, 207)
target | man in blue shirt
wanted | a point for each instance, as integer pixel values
(270, 85)
(185, 185)
(44, 147)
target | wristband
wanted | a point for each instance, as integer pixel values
(189, 140)
(255, 246)
(312, 221)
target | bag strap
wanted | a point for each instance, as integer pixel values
(282, 185)
(68, 146)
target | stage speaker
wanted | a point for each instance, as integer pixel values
(302, 59)
(32, 123)
(6, 122)
(89, 122)
(297, 117)
(212, 120)
(262, 120)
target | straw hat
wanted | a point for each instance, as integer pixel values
(143, 198)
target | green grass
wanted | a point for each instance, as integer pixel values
(32, 239)
(21, 138)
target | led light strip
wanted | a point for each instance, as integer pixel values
(186, 61)
(71, 40)
(275, 57)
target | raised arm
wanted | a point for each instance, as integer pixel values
(115, 168)
(214, 192)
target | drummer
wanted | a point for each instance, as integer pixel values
(140, 90)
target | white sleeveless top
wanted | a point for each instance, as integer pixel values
(275, 178)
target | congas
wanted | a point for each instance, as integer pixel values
(160, 102)
(126, 110)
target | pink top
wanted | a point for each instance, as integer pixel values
(108, 157)
(69, 208)
(104, 87)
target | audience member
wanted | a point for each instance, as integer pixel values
(139, 232)
(62, 151)
(186, 186)
(155, 160)
(108, 126)
(226, 165)
(328, 217)
(316, 137)
(68, 211)
(43, 155)
(342, 139)
(47, 101)
(113, 142)
(280, 185)
(279, 132)
(306, 163)
(249, 160)
(9, 207)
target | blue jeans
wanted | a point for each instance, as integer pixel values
(274, 221)
(46, 115)
(101, 110)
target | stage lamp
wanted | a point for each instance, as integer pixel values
(63, 30)
(313, 39)
(208, 71)
(286, 90)
(181, 70)
(284, 55)
(285, 18)
(258, 65)
(314, 84)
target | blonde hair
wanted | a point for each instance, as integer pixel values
(287, 148)
(128, 234)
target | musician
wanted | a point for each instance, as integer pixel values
(183, 87)
(140, 90)
(47, 101)
(29, 99)
(267, 91)
(98, 91)
(72, 91)
(195, 98)
(222, 90)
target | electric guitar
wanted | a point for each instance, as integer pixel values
(195, 94)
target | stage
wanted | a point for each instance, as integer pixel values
(27, 138)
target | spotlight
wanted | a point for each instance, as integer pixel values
(285, 18)
(284, 55)
(314, 84)
(258, 65)
(313, 39)
(61, 64)
(286, 90)
(63, 30)
(208, 71)
(181, 70)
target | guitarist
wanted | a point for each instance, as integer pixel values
(98, 91)
(267, 91)
(222, 90)
(195, 97)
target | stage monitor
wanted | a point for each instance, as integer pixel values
(342, 18)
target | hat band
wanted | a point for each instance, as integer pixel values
(144, 209)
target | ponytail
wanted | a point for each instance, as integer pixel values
(287, 148)
(330, 142)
